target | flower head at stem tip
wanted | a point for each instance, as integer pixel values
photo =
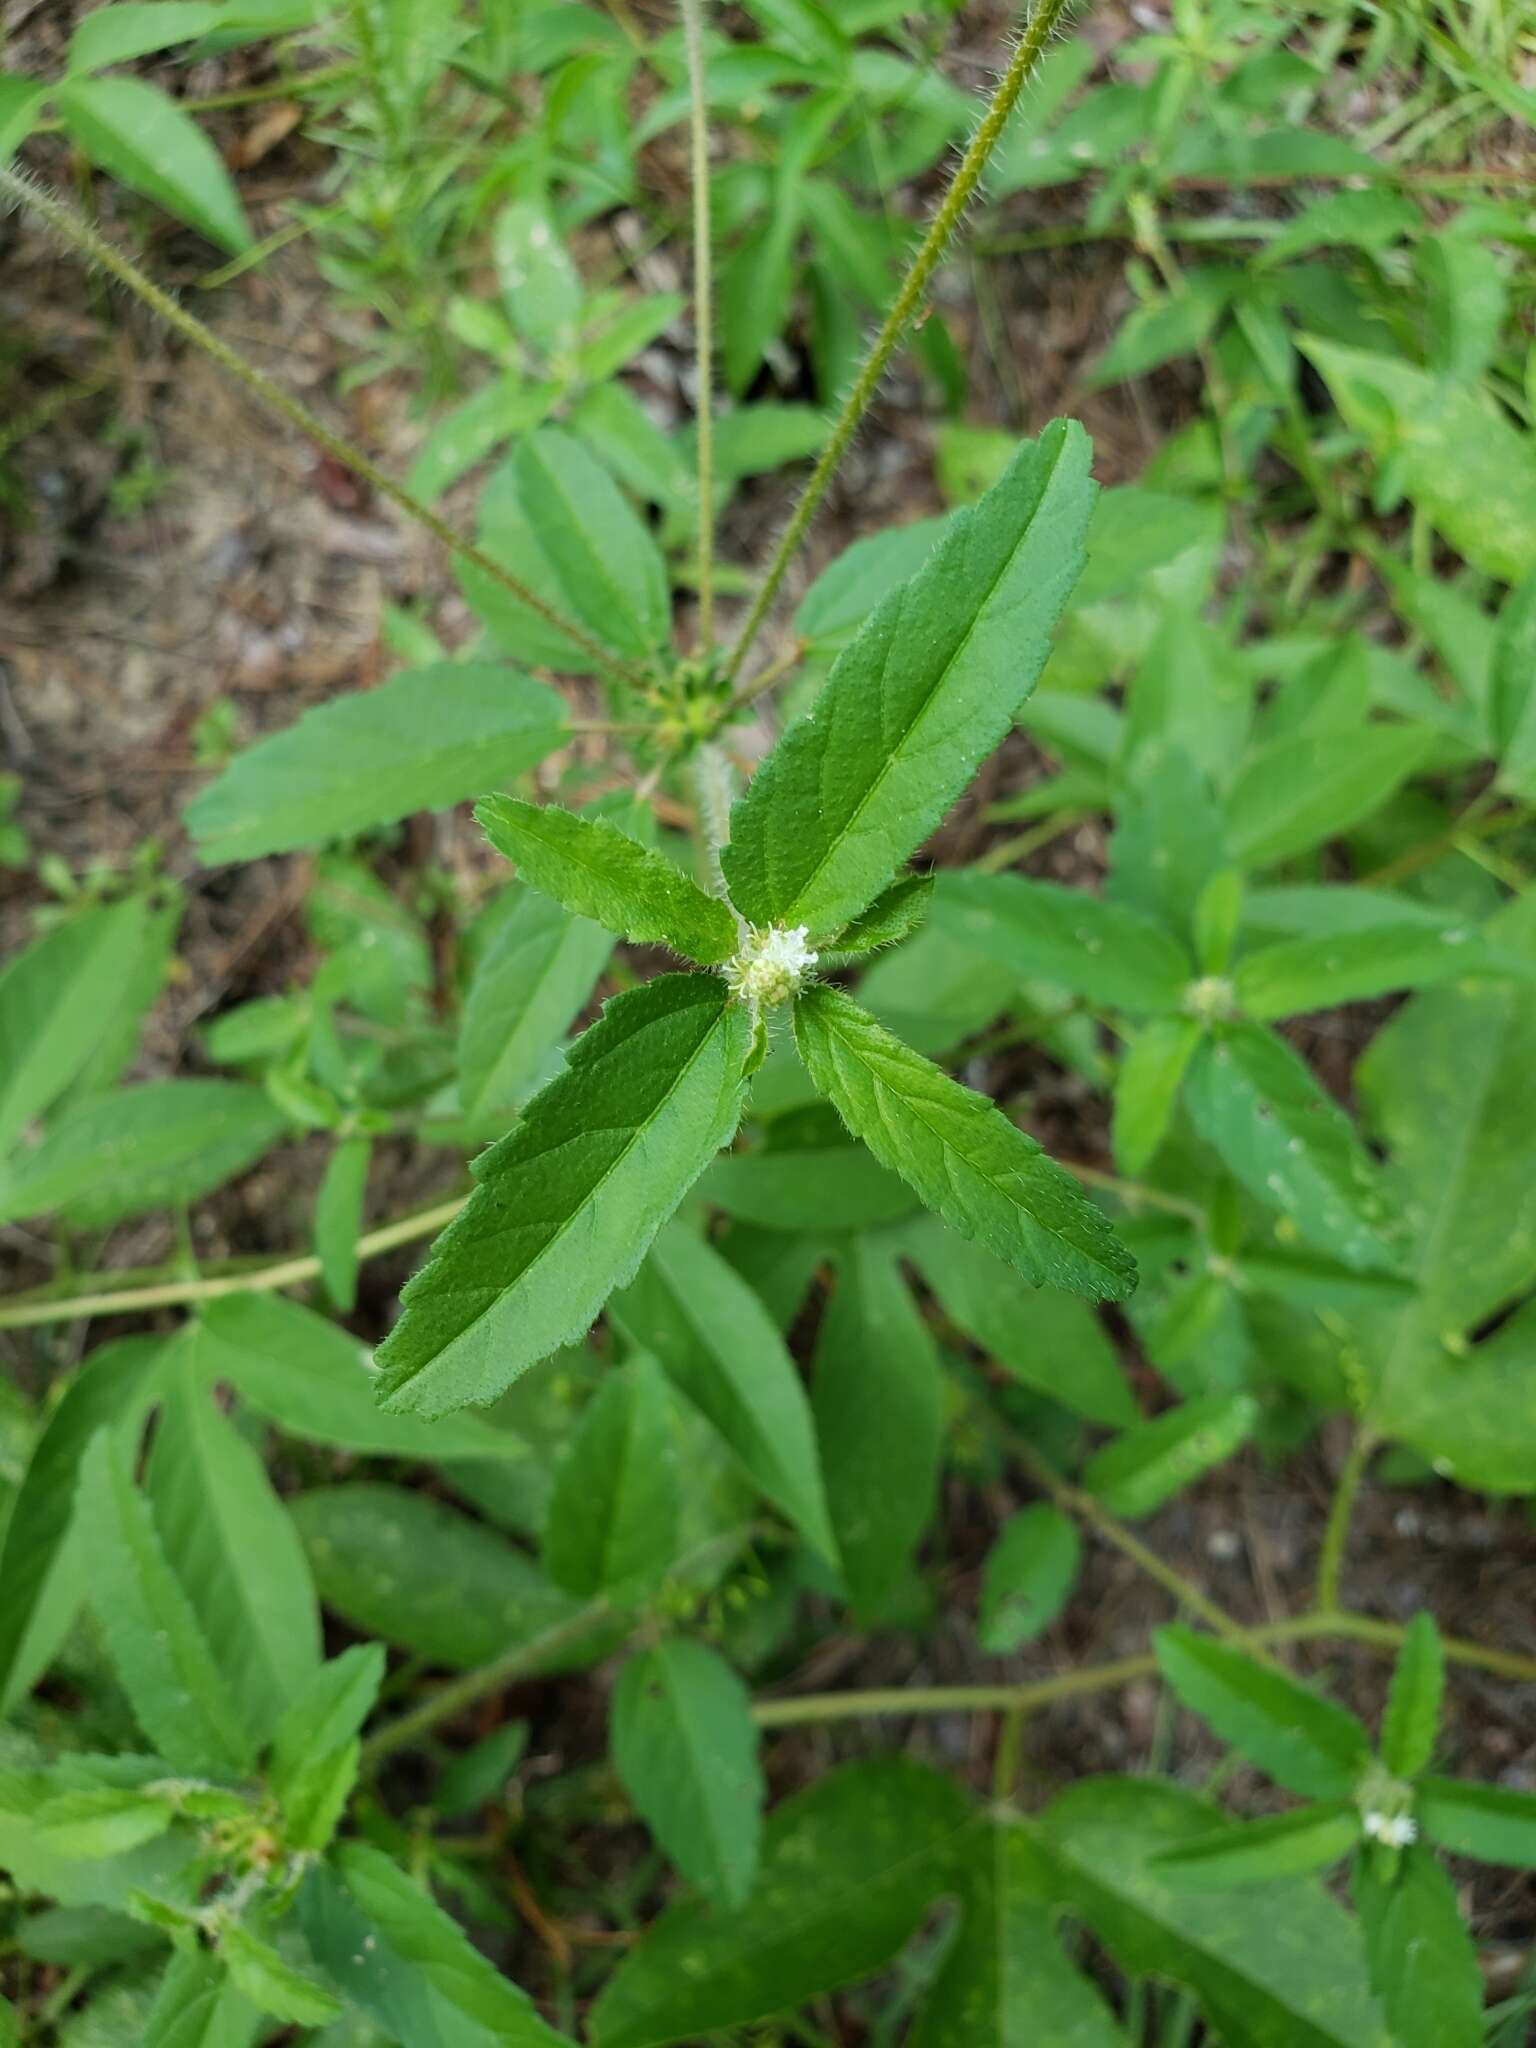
(772, 963)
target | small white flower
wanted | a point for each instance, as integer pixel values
(1211, 996)
(1396, 1830)
(771, 965)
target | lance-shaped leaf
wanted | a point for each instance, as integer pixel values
(536, 977)
(1284, 1845)
(923, 695)
(1303, 1741)
(1151, 1462)
(894, 915)
(1255, 1101)
(879, 1421)
(685, 1748)
(613, 1515)
(600, 872)
(427, 738)
(1091, 947)
(720, 1347)
(42, 1590)
(1422, 1960)
(1029, 1572)
(1490, 1822)
(409, 1966)
(566, 1205)
(962, 1155)
(1320, 973)
(1412, 1719)
(179, 1695)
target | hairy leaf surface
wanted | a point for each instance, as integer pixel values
(566, 1205)
(917, 702)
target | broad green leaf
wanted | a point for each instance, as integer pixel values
(1446, 1084)
(1147, 1087)
(1297, 792)
(916, 703)
(407, 1964)
(1255, 1101)
(567, 1204)
(1168, 326)
(1081, 943)
(230, 1543)
(597, 871)
(139, 135)
(154, 1146)
(849, 1869)
(685, 1749)
(272, 1985)
(1322, 973)
(878, 1402)
(339, 1220)
(1512, 690)
(1457, 454)
(1465, 301)
(893, 916)
(196, 2006)
(1488, 1822)
(1048, 1340)
(427, 738)
(1412, 1719)
(536, 977)
(756, 281)
(722, 1350)
(962, 1155)
(555, 517)
(468, 432)
(180, 1697)
(1277, 1968)
(404, 1567)
(57, 1003)
(137, 991)
(1029, 1573)
(135, 28)
(1423, 1963)
(1152, 1462)
(41, 1567)
(612, 1524)
(539, 284)
(1004, 1982)
(1304, 1742)
(314, 1380)
(1284, 1845)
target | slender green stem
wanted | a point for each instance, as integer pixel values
(711, 773)
(123, 1301)
(962, 187)
(1114, 1532)
(703, 314)
(1063, 1685)
(67, 223)
(1330, 1562)
(528, 1658)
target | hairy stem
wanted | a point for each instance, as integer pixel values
(957, 198)
(72, 228)
(1114, 1532)
(1063, 1685)
(525, 1660)
(269, 1279)
(711, 773)
(1330, 1562)
(703, 315)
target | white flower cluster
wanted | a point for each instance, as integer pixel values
(771, 965)
(1396, 1830)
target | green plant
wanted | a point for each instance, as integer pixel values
(826, 1278)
